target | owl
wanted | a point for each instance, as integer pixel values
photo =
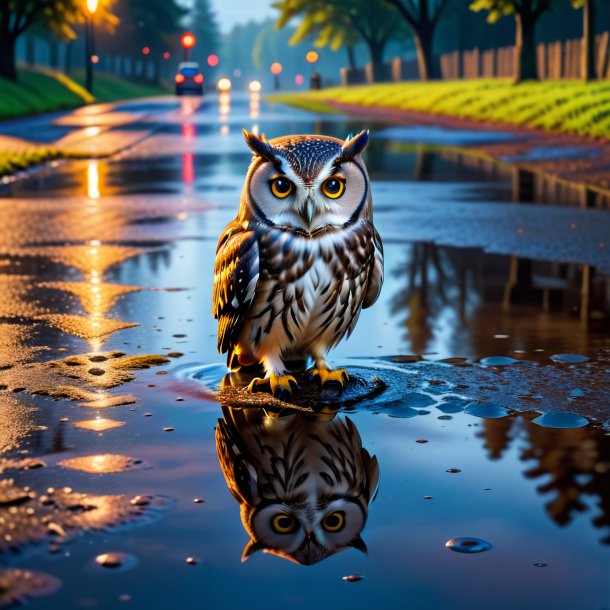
(300, 261)
(303, 482)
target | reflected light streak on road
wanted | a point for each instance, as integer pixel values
(93, 181)
(255, 104)
(224, 105)
(187, 106)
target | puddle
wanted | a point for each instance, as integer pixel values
(477, 416)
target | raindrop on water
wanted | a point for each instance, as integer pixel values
(556, 419)
(468, 545)
(569, 358)
(353, 578)
(116, 560)
(486, 410)
(499, 361)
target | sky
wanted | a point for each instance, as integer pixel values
(231, 12)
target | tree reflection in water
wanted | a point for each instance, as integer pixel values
(575, 464)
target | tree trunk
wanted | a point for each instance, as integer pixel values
(526, 65)
(7, 57)
(425, 58)
(69, 57)
(376, 50)
(587, 68)
(351, 57)
(53, 54)
(30, 50)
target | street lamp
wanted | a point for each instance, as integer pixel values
(276, 70)
(188, 42)
(314, 80)
(89, 42)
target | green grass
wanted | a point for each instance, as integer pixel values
(563, 106)
(109, 88)
(37, 92)
(13, 161)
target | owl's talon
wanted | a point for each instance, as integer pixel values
(326, 376)
(280, 386)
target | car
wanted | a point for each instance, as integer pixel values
(189, 79)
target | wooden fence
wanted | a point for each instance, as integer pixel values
(558, 60)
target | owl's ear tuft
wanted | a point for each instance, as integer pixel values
(354, 145)
(252, 547)
(358, 543)
(259, 145)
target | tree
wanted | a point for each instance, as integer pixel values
(57, 17)
(527, 13)
(148, 23)
(587, 60)
(422, 17)
(202, 22)
(337, 23)
(16, 16)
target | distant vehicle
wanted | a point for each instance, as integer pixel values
(189, 80)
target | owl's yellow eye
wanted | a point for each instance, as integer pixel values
(334, 187)
(334, 522)
(283, 523)
(281, 187)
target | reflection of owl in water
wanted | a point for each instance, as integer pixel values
(303, 482)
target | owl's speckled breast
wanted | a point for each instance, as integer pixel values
(310, 290)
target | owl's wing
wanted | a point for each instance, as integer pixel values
(235, 279)
(375, 279)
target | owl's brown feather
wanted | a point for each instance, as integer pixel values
(235, 276)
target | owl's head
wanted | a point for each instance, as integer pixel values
(303, 484)
(307, 182)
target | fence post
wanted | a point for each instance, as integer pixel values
(542, 67)
(602, 54)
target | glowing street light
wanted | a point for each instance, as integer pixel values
(276, 70)
(213, 60)
(188, 41)
(311, 57)
(224, 84)
(255, 86)
(89, 55)
(145, 50)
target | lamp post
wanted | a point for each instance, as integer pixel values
(276, 70)
(314, 80)
(89, 42)
(188, 42)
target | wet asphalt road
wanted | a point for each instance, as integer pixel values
(114, 256)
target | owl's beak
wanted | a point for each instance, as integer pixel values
(307, 211)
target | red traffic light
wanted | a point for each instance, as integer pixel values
(212, 60)
(188, 40)
(145, 50)
(276, 68)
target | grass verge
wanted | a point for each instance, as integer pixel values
(14, 161)
(37, 92)
(109, 88)
(563, 106)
